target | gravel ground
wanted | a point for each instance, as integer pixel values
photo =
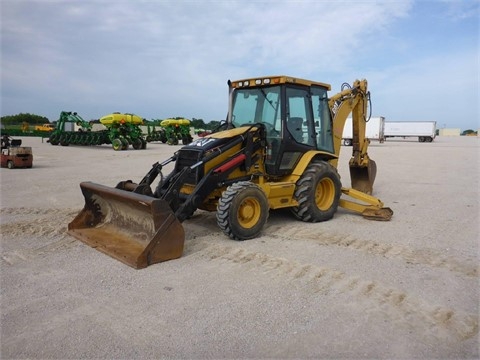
(346, 288)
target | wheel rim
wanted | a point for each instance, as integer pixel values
(249, 213)
(116, 144)
(325, 194)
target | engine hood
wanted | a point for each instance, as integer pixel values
(216, 139)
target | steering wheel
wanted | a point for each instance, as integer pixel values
(268, 127)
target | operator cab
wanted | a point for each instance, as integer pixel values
(294, 112)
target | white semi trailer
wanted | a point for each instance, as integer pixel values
(374, 130)
(425, 131)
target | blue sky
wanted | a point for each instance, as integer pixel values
(162, 59)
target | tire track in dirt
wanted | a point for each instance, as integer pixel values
(16, 256)
(429, 257)
(406, 310)
(44, 223)
(37, 211)
(50, 224)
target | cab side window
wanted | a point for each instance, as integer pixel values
(322, 119)
(298, 114)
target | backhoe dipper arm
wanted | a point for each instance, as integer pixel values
(354, 100)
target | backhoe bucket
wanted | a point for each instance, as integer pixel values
(363, 177)
(136, 229)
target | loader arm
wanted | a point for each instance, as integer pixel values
(217, 177)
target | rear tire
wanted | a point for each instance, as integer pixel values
(10, 164)
(242, 211)
(318, 193)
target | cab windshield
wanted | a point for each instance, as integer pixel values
(259, 105)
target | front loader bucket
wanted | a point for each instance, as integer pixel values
(136, 229)
(363, 177)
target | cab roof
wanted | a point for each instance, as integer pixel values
(274, 80)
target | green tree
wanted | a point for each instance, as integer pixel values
(469, 132)
(198, 123)
(213, 124)
(21, 118)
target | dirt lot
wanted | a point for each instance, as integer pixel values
(346, 288)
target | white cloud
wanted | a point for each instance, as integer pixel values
(458, 10)
(163, 58)
(444, 89)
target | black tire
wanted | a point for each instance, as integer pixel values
(124, 144)
(10, 164)
(53, 140)
(63, 140)
(117, 144)
(318, 192)
(137, 144)
(242, 211)
(347, 142)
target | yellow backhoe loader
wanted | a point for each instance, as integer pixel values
(278, 148)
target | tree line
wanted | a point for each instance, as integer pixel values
(33, 119)
(23, 118)
(200, 124)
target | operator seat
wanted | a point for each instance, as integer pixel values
(294, 125)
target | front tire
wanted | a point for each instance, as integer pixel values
(242, 211)
(317, 192)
